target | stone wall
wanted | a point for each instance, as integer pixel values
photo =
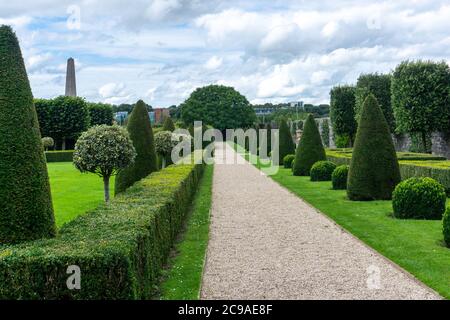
(402, 142)
(440, 143)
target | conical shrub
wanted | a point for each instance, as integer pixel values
(286, 143)
(168, 125)
(141, 134)
(374, 170)
(26, 211)
(269, 138)
(310, 148)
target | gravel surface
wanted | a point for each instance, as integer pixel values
(266, 243)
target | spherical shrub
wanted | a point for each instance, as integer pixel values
(339, 177)
(419, 198)
(287, 160)
(322, 171)
(446, 223)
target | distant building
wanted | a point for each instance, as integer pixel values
(120, 116)
(160, 114)
(151, 115)
(157, 116)
(264, 111)
(296, 104)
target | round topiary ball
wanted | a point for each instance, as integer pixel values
(339, 177)
(419, 198)
(322, 171)
(287, 160)
(446, 229)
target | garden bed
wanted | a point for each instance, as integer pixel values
(59, 156)
(413, 167)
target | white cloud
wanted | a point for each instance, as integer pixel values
(112, 89)
(213, 63)
(269, 50)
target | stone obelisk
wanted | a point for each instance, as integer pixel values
(71, 86)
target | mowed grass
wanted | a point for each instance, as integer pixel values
(415, 245)
(182, 279)
(74, 193)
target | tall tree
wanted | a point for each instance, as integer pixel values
(100, 113)
(420, 97)
(380, 86)
(141, 134)
(63, 117)
(26, 212)
(310, 148)
(219, 106)
(342, 111)
(374, 170)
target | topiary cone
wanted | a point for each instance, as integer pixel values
(26, 211)
(286, 145)
(168, 125)
(310, 148)
(141, 134)
(374, 170)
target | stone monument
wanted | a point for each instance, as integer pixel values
(71, 86)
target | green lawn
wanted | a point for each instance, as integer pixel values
(415, 245)
(74, 193)
(181, 280)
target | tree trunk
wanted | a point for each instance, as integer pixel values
(106, 188)
(163, 162)
(63, 145)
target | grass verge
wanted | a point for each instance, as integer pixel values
(181, 280)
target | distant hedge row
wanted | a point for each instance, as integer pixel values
(119, 248)
(406, 170)
(59, 156)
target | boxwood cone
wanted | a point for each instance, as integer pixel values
(168, 125)
(286, 145)
(309, 150)
(26, 211)
(141, 134)
(374, 170)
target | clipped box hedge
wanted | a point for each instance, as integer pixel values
(119, 248)
(59, 156)
(438, 170)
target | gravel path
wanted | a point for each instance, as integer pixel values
(266, 243)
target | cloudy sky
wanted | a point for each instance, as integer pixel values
(271, 51)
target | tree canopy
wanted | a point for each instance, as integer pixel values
(342, 111)
(219, 106)
(100, 113)
(380, 86)
(62, 117)
(420, 97)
